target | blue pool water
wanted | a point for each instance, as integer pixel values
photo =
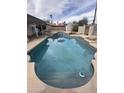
(60, 60)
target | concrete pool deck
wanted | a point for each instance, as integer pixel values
(34, 85)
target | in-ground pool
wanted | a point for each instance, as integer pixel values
(62, 61)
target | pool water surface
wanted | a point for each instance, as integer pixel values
(62, 61)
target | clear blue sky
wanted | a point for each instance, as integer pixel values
(62, 10)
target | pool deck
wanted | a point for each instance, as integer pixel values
(34, 85)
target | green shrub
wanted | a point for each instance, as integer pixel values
(75, 28)
(82, 22)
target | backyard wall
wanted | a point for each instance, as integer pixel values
(86, 30)
(69, 27)
(60, 28)
(81, 29)
(95, 30)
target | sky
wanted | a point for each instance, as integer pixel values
(62, 10)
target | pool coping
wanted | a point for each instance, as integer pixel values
(87, 85)
(94, 63)
(36, 45)
(69, 87)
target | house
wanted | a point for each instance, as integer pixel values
(35, 26)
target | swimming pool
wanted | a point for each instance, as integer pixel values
(62, 61)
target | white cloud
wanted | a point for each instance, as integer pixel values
(89, 15)
(43, 8)
(83, 6)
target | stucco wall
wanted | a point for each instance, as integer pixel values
(29, 31)
(69, 27)
(95, 30)
(81, 29)
(56, 28)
